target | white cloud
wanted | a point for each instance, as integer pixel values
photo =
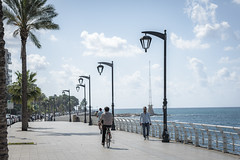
(229, 48)
(236, 1)
(206, 29)
(199, 70)
(187, 44)
(134, 81)
(224, 60)
(203, 15)
(227, 60)
(224, 75)
(201, 11)
(53, 38)
(101, 46)
(37, 62)
(67, 76)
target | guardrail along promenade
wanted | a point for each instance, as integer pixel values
(63, 140)
(221, 138)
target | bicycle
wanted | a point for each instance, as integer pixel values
(108, 137)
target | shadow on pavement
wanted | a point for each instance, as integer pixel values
(69, 134)
(38, 128)
(119, 149)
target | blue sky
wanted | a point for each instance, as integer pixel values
(203, 51)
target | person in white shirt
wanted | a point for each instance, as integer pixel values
(145, 121)
(100, 112)
(106, 120)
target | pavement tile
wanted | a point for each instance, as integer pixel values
(77, 140)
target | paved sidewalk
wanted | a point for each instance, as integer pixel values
(79, 141)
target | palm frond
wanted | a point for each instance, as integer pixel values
(16, 32)
(34, 39)
(28, 15)
(9, 15)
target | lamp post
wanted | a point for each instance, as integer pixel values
(100, 68)
(80, 82)
(54, 107)
(69, 107)
(145, 42)
(85, 109)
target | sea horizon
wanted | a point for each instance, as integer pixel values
(227, 116)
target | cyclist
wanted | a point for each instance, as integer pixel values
(100, 112)
(106, 120)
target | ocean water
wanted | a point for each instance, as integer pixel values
(226, 116)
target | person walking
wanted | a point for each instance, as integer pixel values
(106, 120)
(145, 121)
(100, 112)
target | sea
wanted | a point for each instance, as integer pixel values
(225, 116)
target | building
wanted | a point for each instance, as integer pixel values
(8, 71)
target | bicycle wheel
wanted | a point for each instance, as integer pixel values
(108, 139)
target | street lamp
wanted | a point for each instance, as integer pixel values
(100, 68)
(145, 42)
(80, 82)
(85, 109)
(54, 107)
(69, 107)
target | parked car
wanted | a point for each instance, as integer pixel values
(8, 117)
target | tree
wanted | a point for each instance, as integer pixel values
(28, 16)
(3, 94)
(33, 91)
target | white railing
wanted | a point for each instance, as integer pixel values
(222, 138)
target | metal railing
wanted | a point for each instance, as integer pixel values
(216, 137)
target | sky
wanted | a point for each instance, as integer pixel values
(203, 52)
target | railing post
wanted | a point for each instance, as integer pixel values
(233, 142)
(175, 132)
(209, 137)
(196, 135)
(224, 138)
(216, 139)
(127, 122)
(185, 133)
(136, 126)
(238, 132)
(131, 125)
(116, 123)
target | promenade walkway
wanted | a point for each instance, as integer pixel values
(79, 141)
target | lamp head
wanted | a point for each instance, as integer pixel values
(145, 42)
(78, 87)
(100, 68)
(80, 80)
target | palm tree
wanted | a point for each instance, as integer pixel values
(28, 16)
(33, 91)
(3, 94)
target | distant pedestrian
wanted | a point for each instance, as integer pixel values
(99, 114)
(145, 121)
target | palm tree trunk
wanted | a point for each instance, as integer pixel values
(24, 84)
(3, 94)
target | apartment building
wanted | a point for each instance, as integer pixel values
(8, 71)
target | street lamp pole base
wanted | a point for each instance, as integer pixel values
(113, 127)
(165, 136)
(90, 122)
